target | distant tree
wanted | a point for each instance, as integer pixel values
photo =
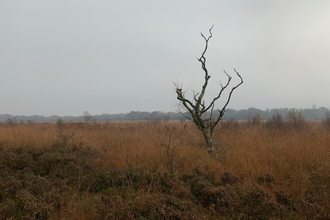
(256, 120)
(296, 119)
(198, 111)
(15, 121)
(87, 116)
(275, 122)
(9, 121)
(327, 119)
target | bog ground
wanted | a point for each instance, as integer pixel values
(161, 170)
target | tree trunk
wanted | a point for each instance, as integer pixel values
(209, 140)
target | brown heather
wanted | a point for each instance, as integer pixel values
(161, 170)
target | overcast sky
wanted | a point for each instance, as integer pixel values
(65, 57)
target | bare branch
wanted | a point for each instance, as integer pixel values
(195, 95)
(206, 41)
(202, 60)
(183, 99)
(220, 92)
(222, 112)
(231, 92)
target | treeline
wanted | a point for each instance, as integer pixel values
(231, 114)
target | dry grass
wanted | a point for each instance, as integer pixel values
(160, 170)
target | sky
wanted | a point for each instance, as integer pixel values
(65, 57)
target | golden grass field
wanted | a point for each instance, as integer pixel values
(161, 170)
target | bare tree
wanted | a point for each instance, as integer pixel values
(200, 113)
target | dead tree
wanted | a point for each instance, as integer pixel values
(200, 113)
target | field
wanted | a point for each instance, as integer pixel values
(161, 170)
